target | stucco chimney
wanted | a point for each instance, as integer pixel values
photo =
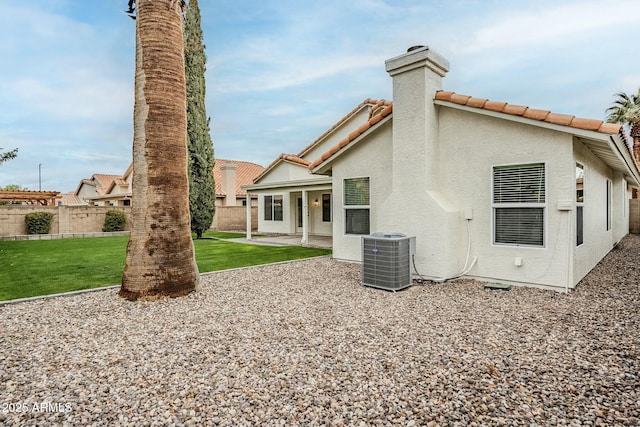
(415, 187)
(417, 75)
(228, 172)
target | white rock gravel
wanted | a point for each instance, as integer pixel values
(305, 344)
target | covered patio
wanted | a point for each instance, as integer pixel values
(302, 211)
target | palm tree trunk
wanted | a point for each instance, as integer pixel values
(160, 258)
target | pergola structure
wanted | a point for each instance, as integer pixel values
(44, 198)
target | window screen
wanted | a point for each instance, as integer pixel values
(518, 204)
(356, 205)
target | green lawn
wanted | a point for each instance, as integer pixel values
(41, 267)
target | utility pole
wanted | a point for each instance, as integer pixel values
(39, 176)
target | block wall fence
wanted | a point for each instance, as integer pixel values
(66, 219)
(234, 218)
(634, 216)
(90, 219)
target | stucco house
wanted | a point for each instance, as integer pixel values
(95, 187)
(491, 190)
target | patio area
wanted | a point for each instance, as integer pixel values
(288, 240)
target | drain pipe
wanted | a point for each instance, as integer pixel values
(569, 252)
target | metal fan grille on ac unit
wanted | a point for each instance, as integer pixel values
(386, 261)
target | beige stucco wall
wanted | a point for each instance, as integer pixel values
(598, 241)
(468, 147)
(286, 225)
(66, 220)
(316, 225)
(369, 159)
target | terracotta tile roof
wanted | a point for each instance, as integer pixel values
(381, 109)
(376, 116)
(71, 199)
(530, 113)
(246, 172)
(104, 181)
(375, 105)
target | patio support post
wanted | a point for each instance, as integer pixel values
(305, 217)
(248, 216)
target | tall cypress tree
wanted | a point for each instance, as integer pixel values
(202, 194)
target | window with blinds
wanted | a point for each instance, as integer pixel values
(519, 204)
(356, 205)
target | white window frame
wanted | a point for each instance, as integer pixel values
(521, 205)
(580, 203)
(273, 210)
(330, 207)
(348, 207)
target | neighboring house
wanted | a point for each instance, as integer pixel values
(115, 190)
(117, 193)
(230, 176)
(93, 187)
(496, 191)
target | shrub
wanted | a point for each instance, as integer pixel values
(38, 222)
(114, 220)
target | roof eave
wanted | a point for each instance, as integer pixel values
(619, 147)
(300, 183)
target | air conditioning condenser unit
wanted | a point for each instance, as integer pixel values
(386, 260)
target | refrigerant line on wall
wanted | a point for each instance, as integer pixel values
(465, 269)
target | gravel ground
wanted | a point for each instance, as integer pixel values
(305, 344)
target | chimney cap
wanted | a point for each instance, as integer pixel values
(416, 47)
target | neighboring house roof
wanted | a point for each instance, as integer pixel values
(106, 184)
(71, 199)
(101, 182)
(120, 182)
(104, 181)
(246, 172)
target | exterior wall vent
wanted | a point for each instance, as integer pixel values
(386, 260)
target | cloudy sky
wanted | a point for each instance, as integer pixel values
(280, 72)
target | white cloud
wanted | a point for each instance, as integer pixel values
(560, 24)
